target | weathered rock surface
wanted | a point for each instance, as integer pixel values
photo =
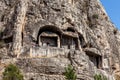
(47, 35)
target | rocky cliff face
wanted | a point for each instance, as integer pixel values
(43, 36)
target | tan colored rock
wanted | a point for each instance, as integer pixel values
(19, 26)
(79, 33)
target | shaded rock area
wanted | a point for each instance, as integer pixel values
(43, 37)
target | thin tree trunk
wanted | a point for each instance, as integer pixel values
(18, 27)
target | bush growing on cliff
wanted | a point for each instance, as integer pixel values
(70, 73)
(95, 16)
(99, 77)
(12, 72)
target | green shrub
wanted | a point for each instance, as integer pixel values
(95, 16)
(100, 77)
(12, 72)
(70, 73)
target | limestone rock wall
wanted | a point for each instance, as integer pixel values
(98, 36)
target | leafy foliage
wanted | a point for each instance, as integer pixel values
(99, 77)
(69, 73)
(12, 72)
(95, 16)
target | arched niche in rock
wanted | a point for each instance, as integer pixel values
(49, 36)
(95, 57)
(70, 38)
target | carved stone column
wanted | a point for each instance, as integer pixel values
(79, 47)
(39, 41)
(58, 42)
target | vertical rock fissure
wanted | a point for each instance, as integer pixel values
(18, 26)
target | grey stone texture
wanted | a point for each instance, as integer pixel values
(43, 37)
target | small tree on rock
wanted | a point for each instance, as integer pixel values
(99, 77)
(12, 72)
(70, 73)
